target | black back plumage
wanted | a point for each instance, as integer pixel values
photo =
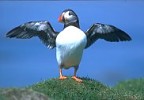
(107, 32)
(42, 29)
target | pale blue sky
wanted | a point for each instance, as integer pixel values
(24, 62)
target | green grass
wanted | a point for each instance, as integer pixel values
(70, 89)
(132, 89)
(87, 90)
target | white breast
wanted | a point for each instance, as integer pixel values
(69, 46)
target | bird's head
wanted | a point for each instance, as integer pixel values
(69, 17)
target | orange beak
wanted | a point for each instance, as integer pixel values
(60, 19)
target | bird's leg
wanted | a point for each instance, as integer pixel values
(74, 77)
(61, 76)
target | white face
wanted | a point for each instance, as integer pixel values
(69, 17)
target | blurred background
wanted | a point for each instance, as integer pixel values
(25, 62)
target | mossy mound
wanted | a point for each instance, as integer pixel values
(71, 90)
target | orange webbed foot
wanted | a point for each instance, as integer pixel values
(76, 79)
(62, 77)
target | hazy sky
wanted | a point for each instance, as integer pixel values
(24, 62)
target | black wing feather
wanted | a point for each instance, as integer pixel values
(107, 32)
(42, 29)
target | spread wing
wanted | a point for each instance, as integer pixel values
(42, 29)
(107, 32)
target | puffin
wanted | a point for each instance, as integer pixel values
(71, 41)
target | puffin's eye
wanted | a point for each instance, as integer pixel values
(70, 13)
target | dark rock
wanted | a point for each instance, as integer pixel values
(22, 94)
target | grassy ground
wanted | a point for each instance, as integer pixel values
(87, 90)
